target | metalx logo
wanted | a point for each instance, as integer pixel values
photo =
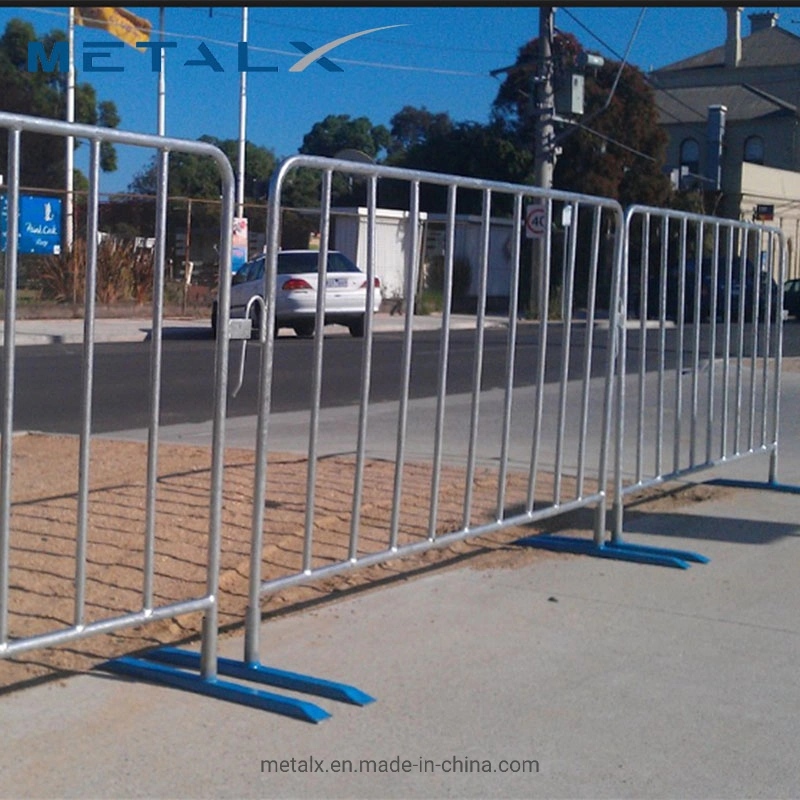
(94, 54)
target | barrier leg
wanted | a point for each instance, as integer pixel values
(770, 485)
(618, 550)
(223, 690)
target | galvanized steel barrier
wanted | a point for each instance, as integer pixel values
(704, 300)
(17, 125)
(535, 445)
(205, 664)
(561, 410)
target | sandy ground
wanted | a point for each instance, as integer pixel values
(43, 538)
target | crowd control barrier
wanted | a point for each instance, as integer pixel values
(537, 442)
(699, 377)
(86, 620)
(521, 418)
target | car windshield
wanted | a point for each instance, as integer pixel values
(291, 263)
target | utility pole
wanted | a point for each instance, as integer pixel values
(545, 102)
(544, 150)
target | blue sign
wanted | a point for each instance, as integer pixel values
(39, 224)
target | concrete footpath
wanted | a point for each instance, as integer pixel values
(564, 676)
(70, 331)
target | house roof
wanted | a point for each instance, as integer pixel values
(771, 47)
(690, 104)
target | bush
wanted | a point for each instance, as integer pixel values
(124, 273)
(462, 276)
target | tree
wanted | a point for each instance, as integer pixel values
(414, 126)
(43, 94)
(469, 149)
(197, 176)
(625, 161)
(339, 132)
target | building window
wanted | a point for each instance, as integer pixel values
(754, 150)
(690, 156)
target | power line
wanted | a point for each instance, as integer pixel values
(398, 42)
(650, 82)
(292, 53)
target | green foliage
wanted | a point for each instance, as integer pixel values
(463, 148)
(198, 177)
(413, 127)
(43, 94)
(436, 274)
(339, 132)
(626, 160)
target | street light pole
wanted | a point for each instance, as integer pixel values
(242, 124)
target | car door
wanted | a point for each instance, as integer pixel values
(247, 282)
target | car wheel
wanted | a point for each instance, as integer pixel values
(356, 328)
(305, 330)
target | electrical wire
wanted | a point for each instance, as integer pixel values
(273, 51)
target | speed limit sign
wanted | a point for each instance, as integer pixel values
(535, 221)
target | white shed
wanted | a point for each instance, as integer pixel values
(392, 237)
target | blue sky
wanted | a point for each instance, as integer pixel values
(440, 59)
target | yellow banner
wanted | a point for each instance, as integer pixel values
(118, 22)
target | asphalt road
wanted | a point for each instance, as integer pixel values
(48, 378)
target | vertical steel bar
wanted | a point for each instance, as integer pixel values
(511, 345)
(444, 352)
(87, 382)
(712, 346)
(567, 284)
(676, 453)
(366, 370)
(477, 364)
(208, 655)
(619, 370)
(155, 375)
(9, 353)
(591, 302)
(410, 291)
(776, 399)
(316, 389)
(737, 423)
(726, 345)
(757, 322)
(770, 251)
(644, 280)
(253, 613)
(544, 296)
(662, 346)
(616, 341)
(697, 313)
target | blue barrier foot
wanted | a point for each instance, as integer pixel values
(221, 690)
(620, 551)
(259, 673)
(769, 486)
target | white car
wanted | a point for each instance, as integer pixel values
(296, 292)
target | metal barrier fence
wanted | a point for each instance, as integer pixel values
(17, 126)
(554, 400)
(703, 362)
(520, 428)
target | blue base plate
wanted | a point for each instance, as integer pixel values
(622, 551)
(170, 665)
